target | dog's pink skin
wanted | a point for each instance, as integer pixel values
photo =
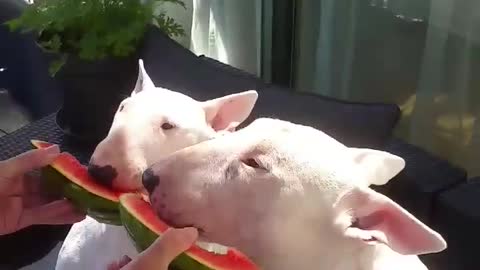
(291, 197)
(135, 141)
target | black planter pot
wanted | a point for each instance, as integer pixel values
(92, 92)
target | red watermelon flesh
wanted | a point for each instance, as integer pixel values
(142, 211)
(77, 173)
(144, 220)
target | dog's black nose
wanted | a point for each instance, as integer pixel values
(150, 180)
(104, 175)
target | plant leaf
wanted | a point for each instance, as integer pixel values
(92, 29)
(57, 64)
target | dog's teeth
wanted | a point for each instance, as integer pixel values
(213, 247)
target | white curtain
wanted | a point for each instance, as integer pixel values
(421, 54)
(229, 31)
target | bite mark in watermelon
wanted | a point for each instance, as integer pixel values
(76, 172)
(66, 175)
(144, 227)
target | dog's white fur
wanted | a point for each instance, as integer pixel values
(291, 197)
(135, 141)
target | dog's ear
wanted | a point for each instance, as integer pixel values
(226, 113)
(378, 219)
(374, 166)
(143, 81)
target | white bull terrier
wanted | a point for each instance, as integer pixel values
(148, 125)
(291, 197)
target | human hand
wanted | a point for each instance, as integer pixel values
(22, 202)
(161, 253)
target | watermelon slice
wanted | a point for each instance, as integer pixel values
(67, 176)
(144, 226)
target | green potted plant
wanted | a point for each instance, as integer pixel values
(94, 45)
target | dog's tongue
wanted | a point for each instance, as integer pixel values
(212, 247)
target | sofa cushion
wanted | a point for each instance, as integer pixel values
(424, 177)
(456, 217)
(172, 66)
(355, 124)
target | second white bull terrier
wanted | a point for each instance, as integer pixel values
(291, 197)
(150, 124)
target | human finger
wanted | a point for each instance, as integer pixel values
(12, 186)
(56, 212)
(10, 214)
(118, 265)
(29, 161)
(166, 248)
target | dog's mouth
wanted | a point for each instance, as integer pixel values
(173, 224)
(205, 244)
(143, 192)
(212, 247)
(203, 241)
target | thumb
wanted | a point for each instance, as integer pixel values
(29, 161)
(166, 248)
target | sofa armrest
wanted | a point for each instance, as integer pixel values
(425, 176)
(456, 216)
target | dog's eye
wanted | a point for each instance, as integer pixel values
(167, 126)
(251, 162)
(121, 108)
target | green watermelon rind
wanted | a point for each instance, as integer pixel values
(101, 209)
(112, 218)
(143, 237)
(110, 210)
